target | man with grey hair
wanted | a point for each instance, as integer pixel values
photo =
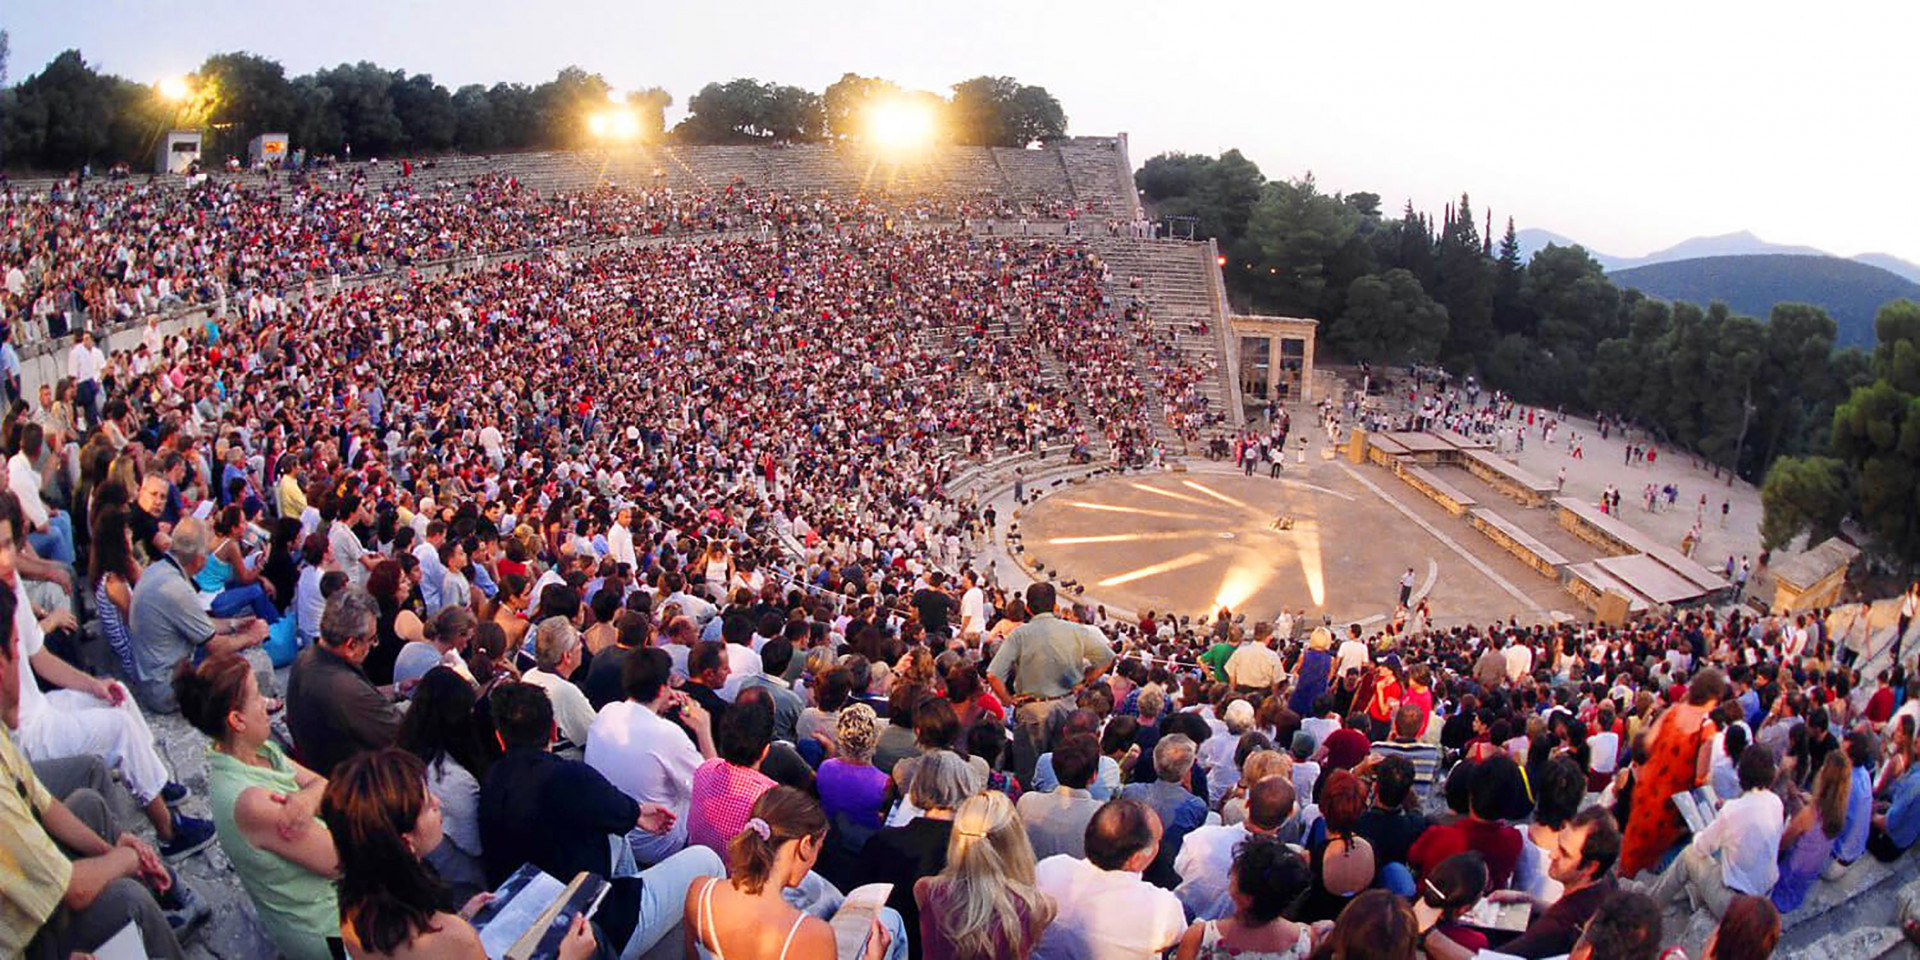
(557, 651)
(1170, 796)
(167, 625)
(333, 710)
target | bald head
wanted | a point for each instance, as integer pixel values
(1269, 803)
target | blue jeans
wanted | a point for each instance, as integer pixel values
(249, 598)
(56, 542)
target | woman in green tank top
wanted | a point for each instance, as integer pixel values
(263, 808)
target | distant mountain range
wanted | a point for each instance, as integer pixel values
(1739, 244)
(1850, 291)
(1751, 275)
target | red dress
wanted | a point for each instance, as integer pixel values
(1655, 824)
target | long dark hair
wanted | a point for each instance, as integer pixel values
(439, 722)
(111, 551)
(386, 892)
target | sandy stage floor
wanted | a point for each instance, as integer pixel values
(1192, 542)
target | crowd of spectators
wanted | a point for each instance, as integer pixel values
(642, 563)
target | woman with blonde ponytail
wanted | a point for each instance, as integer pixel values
(746, 918)
(984, 905)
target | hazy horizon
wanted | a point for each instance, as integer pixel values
(1628, 132)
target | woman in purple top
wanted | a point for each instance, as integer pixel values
(1807, 845)
(850, 785)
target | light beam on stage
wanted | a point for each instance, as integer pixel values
(1165, 566)
(1169, 494)
(1306, 534)
(1240, 584)
(1217, 495)
(1133, 537)
(1116, 508)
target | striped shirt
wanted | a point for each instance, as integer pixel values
(1424, 757)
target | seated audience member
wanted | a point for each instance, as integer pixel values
(1807, 844)
(68, 888)
(1492, 783)
(725, 787)
(1738, 853)
(558, 814)
(1343, 862)
(1408, 721)
(1852, 843)
(383, 821)
(1104, 910)
(983, 905)
(1172, 799)
(1263, 880)
(897, 740)
(747, 916)
(1056, 820)
(1392, 824)
(263, 805)
(1207, 857)
(1583, 859)
(637, 745)
(602, 685)
(235, 585)
(439, 729)
(820, 722)
(557, 651)
(1459, 882)
(167, 624)
(1377, 925)
(445, 645)
(1895, 831)
(1626, 926)
(707, 672)
(853, 791)
(83, 715)
(901, 855)
(333, 711)
(1750, 929)
(774, 658)
(1259, 765)
(1106, 777)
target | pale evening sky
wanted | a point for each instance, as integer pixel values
(1628, 126)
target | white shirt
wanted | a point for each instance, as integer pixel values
(85, 363)
(571, 711)
(644, 754)
(1519, 660)
(1205, 860)
(1604, 751)
(27, 627)
(1352, 655)
(24, 481)
(1105, 914)
(620, 546)
(973, 611)
(1747, 836)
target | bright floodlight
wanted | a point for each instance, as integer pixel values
(174, 88)
(899, 123)
(614, 125)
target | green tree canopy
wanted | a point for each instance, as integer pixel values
(1003, 112)
(1390, 319)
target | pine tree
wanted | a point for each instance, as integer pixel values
(1464, 285)
(1510, 314)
